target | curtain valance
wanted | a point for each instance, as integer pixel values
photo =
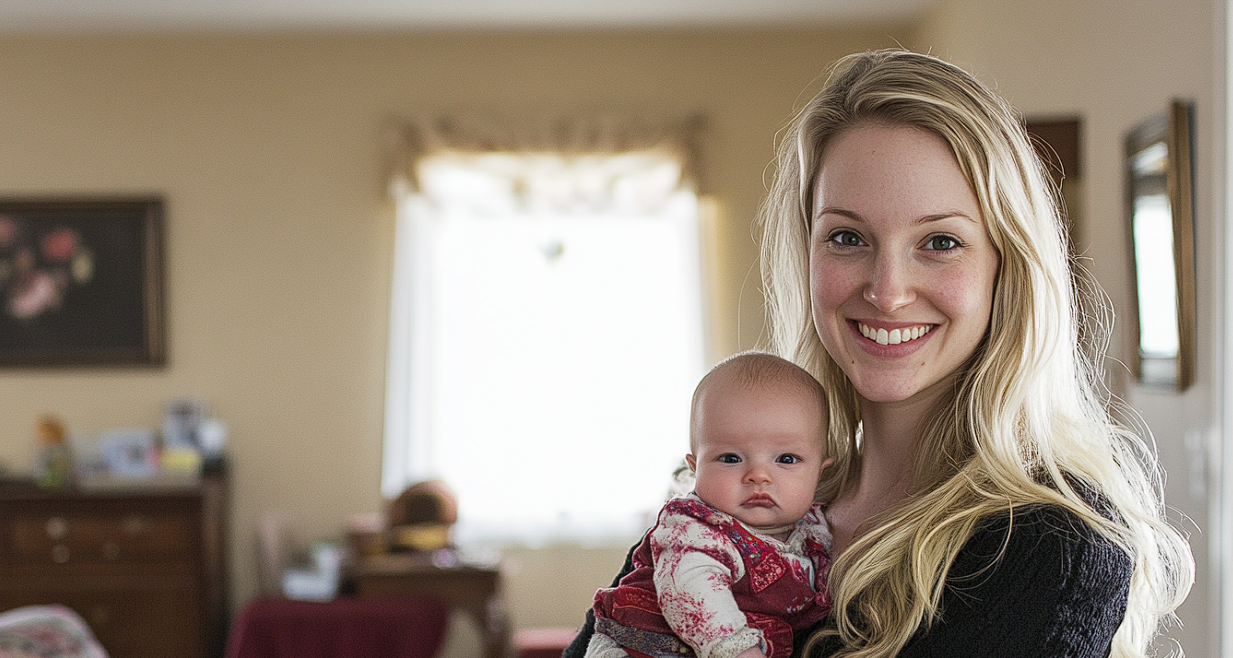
(411, 140)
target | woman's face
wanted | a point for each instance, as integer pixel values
(902, 269)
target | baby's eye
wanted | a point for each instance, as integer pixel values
(942, 243)
(728, 458)
(787, 458)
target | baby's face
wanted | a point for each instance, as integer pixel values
(759, 452)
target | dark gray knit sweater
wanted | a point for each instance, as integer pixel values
(1056, 590)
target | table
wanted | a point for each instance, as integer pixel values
(475, 590)
(342, 628)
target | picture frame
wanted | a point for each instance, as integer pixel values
(1160, 212)
(81, 282)
(129, 453)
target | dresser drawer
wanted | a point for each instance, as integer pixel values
(132, 623)
(145, 566)
(128, 537)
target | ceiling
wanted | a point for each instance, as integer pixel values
(146, 15)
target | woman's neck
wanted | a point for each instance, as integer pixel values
(890, 434)
(891, 431)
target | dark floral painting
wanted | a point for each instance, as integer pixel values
(81, 282)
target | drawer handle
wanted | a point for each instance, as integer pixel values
(60, 553)
(57, 528)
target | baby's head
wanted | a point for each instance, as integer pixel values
(757, 438)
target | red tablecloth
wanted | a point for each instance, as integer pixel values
(342, 628)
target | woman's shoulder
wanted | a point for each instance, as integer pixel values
(1044, 542)
(1039, 518)
(1031, 581)
(1038, 577)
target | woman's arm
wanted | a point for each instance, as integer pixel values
(1038, 584)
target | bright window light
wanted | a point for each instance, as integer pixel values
(546, 339)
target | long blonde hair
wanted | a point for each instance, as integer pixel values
(1028, 422)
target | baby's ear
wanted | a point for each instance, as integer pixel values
(693, 464)
(826, 463)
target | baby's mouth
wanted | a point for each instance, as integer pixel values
(894, 336)
(760, 500)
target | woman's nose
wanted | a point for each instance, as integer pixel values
(890, 284)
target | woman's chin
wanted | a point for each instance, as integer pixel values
(893, 392)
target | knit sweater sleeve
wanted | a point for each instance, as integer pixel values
(1039, 583)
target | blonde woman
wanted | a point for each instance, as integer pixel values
(984, 501)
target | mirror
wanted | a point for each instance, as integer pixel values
(1160, 210)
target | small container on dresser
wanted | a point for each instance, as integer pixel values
(143, 564)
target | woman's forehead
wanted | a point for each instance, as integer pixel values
(874, 169)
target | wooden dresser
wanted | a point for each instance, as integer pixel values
(144, 565)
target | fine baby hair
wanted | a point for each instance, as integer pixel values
(752, 369)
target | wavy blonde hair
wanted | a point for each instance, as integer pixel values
(1028, 422)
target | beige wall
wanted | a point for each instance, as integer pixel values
(268, 151)
(1115, 63)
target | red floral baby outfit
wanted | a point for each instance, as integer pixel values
(704, 581)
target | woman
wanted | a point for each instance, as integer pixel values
(984, 500)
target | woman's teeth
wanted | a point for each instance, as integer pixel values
(894, 336)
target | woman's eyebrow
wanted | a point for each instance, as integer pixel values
(831, 210)
(931, 217)
(946, 214)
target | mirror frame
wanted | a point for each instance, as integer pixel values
(1174, 130)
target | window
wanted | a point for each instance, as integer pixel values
(546, 337)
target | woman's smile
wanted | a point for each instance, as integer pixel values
(882, 336)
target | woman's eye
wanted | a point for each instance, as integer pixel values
(729, 458)
(846, 239)
(942, 243)
(787, 459)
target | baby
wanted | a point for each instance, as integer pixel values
(734, 568)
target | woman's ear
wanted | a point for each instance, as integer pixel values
(693, 465)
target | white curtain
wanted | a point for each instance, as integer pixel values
(588, 451)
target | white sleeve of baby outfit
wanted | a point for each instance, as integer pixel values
(695, 566)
